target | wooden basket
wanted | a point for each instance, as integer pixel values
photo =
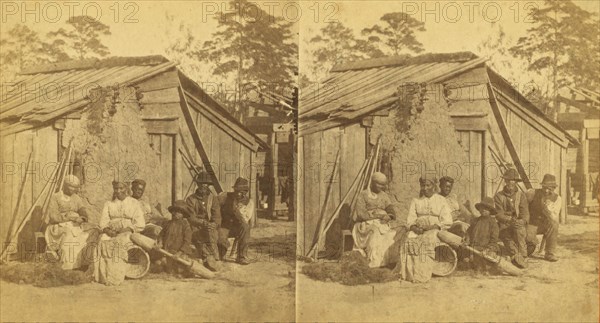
(445, 260)
(138, 262)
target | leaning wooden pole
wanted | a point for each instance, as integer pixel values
(324, 207)
(19, 197)
(342, 202)
(30, 212)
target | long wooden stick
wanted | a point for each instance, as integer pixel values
(20, 196)
(197, 142)
(337, 210)
(28, 215)
(366, 180)
(361, 181)
(501, 164)
(324, 207)
(57, 182)
(343, 201)
(506, 136)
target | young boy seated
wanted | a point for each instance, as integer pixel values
(482, 234)
(176, 237)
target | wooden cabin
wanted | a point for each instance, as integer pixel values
(271, 119)
(447, 114)
(124, 118)
(579, 115)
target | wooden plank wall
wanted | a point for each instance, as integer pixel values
(539, 153)
(316, 158)
(228, 157)
(15, 149)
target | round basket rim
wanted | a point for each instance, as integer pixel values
(451, 269)
(133, 271)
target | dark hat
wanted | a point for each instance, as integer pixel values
(203, 178)
(511, 175)
(488, 204)
(241, 184)
(549, 181)
(181, 207)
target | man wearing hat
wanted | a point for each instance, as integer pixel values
(205, 220)
(544, 208)
(237, 209)
(372, 233)
(66, 234)
(513, 216)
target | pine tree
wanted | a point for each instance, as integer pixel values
(21, 48)
(397, 35)
(336, 44)
(563, 45)
(80, 40)
(251, 53)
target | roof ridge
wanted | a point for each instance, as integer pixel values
(95, 63)
(389, 61)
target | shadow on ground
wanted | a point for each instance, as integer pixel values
(585, 244)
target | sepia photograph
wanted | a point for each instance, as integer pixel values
(299, 161)
(449, 159)
(147, 155)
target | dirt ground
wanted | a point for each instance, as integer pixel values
(565, 291)
(261, 291)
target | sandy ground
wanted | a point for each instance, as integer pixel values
(261, 291)
(566, 291)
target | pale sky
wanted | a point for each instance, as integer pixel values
(451, 26)
(142, 28)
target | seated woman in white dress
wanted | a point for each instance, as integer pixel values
(372, 234)
(120, 218)
(68, 232)
(427, 214)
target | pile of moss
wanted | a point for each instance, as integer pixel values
(43, 274)
(352, 269)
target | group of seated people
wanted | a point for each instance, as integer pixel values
(513, 216)
(199, 226)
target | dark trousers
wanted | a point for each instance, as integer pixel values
(514, 239)
(239, 231)
(205, 241)
(549, 228)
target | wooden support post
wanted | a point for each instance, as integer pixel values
(197, 142)
(274, 178)
(564, 185)
(585, 169)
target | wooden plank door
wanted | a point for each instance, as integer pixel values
(473, 143)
